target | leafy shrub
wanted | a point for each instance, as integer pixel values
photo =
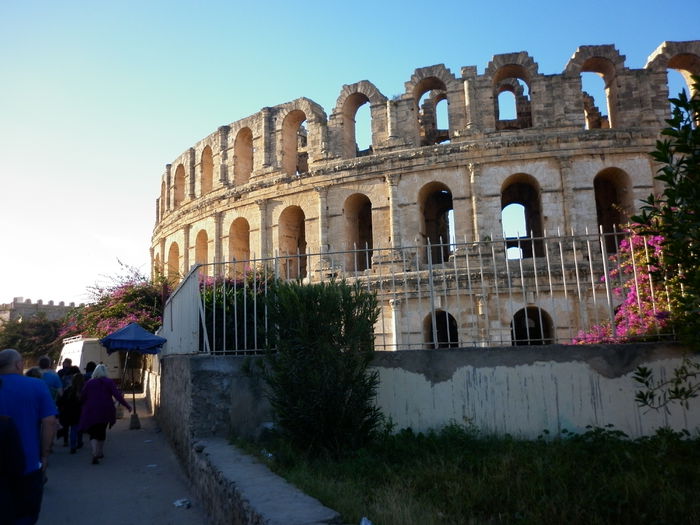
(321, 344)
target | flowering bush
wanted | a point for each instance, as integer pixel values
(131, 299)
(637, 279)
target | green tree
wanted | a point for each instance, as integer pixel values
(675, 215)
(32, 337)
(320, 388)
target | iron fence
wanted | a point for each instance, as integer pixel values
(508, 291)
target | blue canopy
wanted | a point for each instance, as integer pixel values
(133, 337)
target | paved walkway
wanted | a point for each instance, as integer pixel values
(137, 482)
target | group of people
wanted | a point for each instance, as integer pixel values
(36, 408)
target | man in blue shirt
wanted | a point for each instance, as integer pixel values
(28, 402)
(50, 377)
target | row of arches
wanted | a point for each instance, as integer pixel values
(521, 216)
(529, 326)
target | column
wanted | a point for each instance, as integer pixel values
(186, 249)
(262, 230)
(392, 183)
(396, 335)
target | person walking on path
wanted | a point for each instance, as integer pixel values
(69, 407)
(28, 402)
(98, 410)
(50, 377)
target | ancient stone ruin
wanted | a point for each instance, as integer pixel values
(291, 180)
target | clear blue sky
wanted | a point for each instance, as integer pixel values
(96, 97)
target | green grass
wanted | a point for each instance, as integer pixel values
(456, 476)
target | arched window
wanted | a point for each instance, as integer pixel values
(512, 101)
(292, 243)
(239, 245)
(613, 201)
(174, 263)
(514, 227)
(442, 334)
(604, 68)
(687, 64)
(179, 193)
(523, 189)
(351, 107)
(427, 93)
(201, 248)
(207, 171)
(295, 158)
(243, 157)
(437, 228)
(531, 326)
(358, 232)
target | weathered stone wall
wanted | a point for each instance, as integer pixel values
(21, 308)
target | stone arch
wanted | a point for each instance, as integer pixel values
(531, 326)
(206, 171)
(613, 203)
(179, 190)
(173, 272)
(605, 61)
(201, 247)
(506, 72)
(295, 156)
(443, 334)
(351, 98)
(512, 65)
(239, 245)
(357, 210)
(435, 204)
(439, 82)
(292, 242)
(524, 189)
(523, 110)
(242, 156)
(681, 56)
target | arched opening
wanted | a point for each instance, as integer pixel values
(594, 93)
(613, 202)
(207, 171)
(687, 65)
(512, 109)
(295, 157)
(514, 227)
(242, 157)
(436, 221)
(173, 273)
(427, 94)
(531, 326)
(357, 140)
(179, 193)
(239, 245)
(605, 69)
(523, 189)
(201, 248)
(358, 232)
(292, 243)
(444, 333)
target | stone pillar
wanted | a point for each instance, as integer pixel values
(396, 335)
(186, 249)
(266, 136)
(163, 258)
(474, 174)
(322, 219)
(191, 172)
(223, 155)
(567, 201)
(218, 256)
(392, 184)
(468, 79)
(154, 270)
(262, 231)
(392, 127)
(168, 186)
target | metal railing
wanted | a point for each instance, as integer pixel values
(527, 290)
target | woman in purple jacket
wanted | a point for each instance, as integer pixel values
(98, 410)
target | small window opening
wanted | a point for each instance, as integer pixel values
(445, 330)
(531, 326)
(595, 101)
(363, 130)
(514, 227)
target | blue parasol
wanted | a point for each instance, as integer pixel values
(133, 338)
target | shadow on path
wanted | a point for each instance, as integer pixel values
(137, 482)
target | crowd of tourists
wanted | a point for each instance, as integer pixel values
(36, 409)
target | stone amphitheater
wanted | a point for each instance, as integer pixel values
(292, 180)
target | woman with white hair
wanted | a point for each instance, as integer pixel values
(98, 409)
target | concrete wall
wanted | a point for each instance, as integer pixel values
(516, 390)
